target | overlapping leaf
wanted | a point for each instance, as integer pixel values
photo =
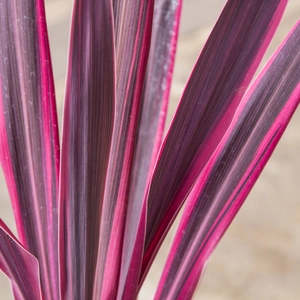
(220, 77)
(29, 134)
(232, 171)
(133, 23)
(21, 267)
(151, 125)
(111, 202)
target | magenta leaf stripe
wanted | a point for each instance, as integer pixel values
(232, 171)
(87, 131)
(221, 75)
(21, 267)
(151, 125)
(29, 134)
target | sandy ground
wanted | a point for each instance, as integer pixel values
(259, 256)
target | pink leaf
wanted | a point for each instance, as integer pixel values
(21, 267)
(233, 169)
(87, 130)
(133, 21)
(151, 126)
(221, 75)
(29, 134)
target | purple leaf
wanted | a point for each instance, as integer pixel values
(221, 75)
(21, 267)
(87, 131)
(151, 125)
(233, 169)
(133, 21)
(29, 134)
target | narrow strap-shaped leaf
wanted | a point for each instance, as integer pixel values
(220, 77)
(231, 173)
(133, 33)
(87, 130)
(29, 133)
(151, 125)
(21, 267)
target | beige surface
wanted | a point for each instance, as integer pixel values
(259, 256)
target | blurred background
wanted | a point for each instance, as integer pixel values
(259, 257)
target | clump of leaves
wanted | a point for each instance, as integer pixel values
(92, 213)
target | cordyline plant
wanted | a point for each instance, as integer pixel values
(92, 216)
